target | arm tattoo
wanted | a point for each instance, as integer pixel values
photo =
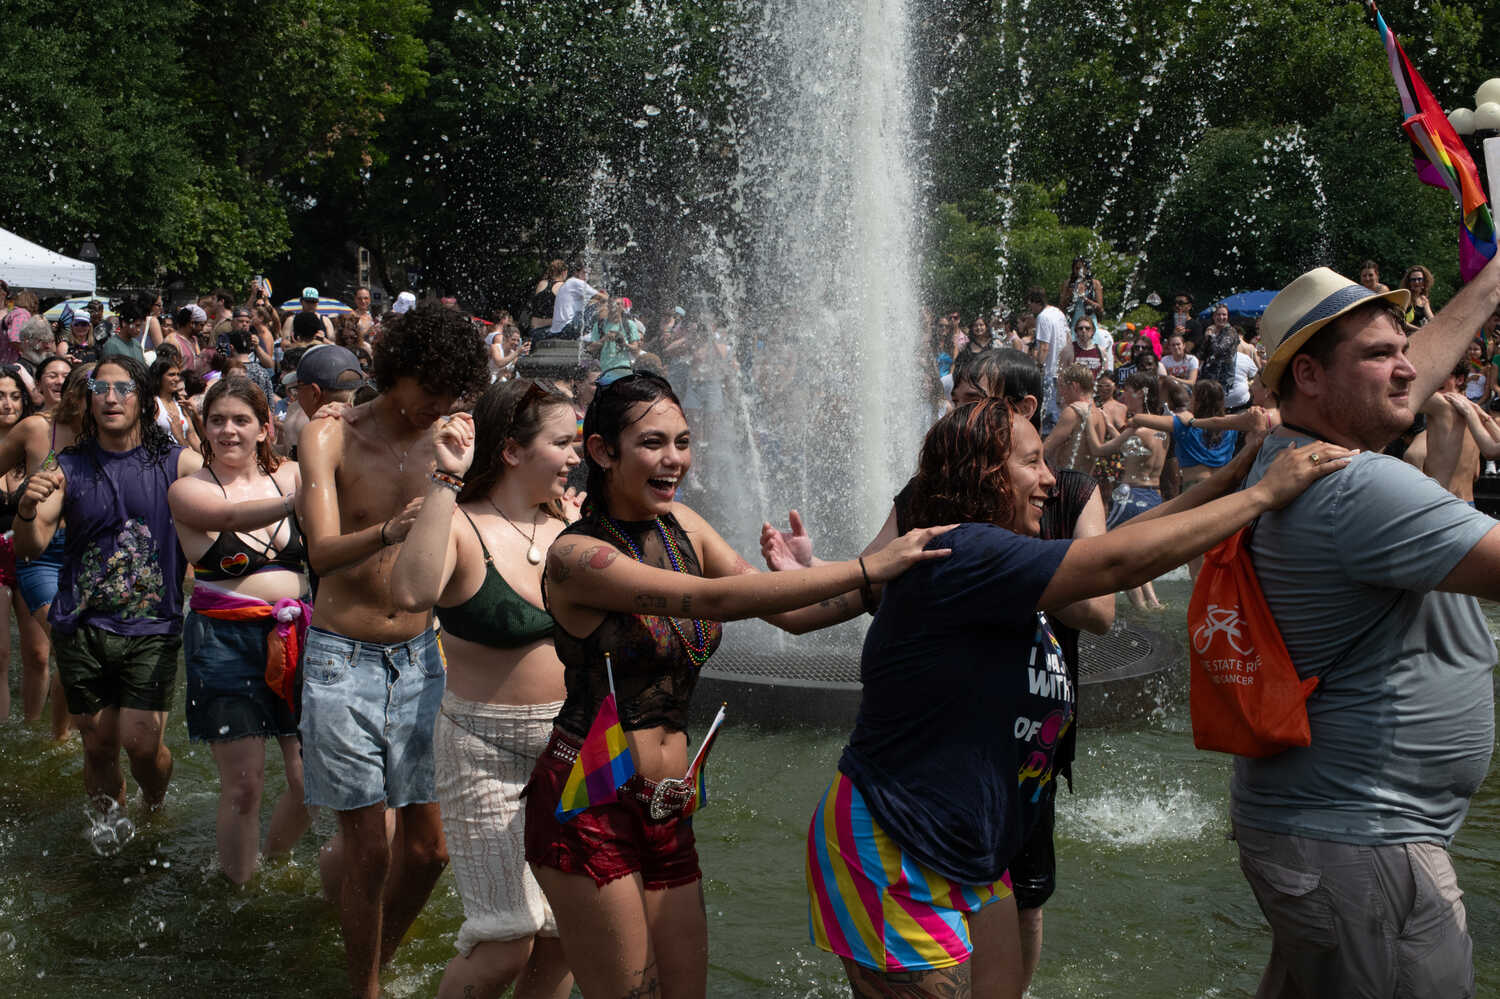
(647, 602)
(558, 567)
(741, 567)
(687, 605)
(840, 602)
(597, 557)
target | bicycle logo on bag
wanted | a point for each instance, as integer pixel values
(1219, 621)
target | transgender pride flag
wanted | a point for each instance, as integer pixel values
(604, 761)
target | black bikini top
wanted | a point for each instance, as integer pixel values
(655, 670)
(233, 556)
(496, 615)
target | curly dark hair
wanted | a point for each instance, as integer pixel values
(436, 346)
(153, 438)
(961, 474)
(27, 406)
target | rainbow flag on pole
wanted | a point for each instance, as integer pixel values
(697, 774)
(604, 761)
(1439, 155)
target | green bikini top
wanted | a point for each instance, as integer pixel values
(496, 615)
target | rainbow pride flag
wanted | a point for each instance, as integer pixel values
(697, 774)
(1439, 155)
(604, 761)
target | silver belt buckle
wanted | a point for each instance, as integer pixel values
(672, 785)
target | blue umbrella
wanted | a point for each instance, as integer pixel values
(326, 306)
(1245, 304)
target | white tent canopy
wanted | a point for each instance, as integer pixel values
(23, 264)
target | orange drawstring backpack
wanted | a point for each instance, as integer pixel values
(1245, 696)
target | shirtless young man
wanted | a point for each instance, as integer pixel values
(1447, 450)
(373, 674)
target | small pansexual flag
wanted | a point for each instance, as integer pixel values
(604, 761)
(697, 774)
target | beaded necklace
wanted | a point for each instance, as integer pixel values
(698, 650)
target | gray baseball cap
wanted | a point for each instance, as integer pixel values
(326, 366)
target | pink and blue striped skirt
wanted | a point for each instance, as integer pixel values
(873, 903)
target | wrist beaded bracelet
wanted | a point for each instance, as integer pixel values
(447, 480)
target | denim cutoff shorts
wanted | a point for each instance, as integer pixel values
(367, 717)
(38, 576)
(227, 695)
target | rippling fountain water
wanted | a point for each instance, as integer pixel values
(829, 276)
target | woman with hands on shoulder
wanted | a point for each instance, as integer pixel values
(497, 501)
(959, 650)
(646, 580)
(247, 614)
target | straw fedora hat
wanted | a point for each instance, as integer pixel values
(1305, 306)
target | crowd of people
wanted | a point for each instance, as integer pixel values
(471, 608)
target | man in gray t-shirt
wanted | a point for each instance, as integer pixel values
(1371, 576)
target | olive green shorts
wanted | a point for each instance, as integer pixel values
(100, 669)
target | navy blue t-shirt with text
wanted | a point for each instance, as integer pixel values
(965, 702)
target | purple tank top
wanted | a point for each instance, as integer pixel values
(122, 565)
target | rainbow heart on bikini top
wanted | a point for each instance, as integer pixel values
(234, 564)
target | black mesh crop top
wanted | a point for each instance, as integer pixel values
(654, 674)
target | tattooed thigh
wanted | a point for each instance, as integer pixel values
(936, 983)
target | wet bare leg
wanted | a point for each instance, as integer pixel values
(5, 666)
(62, 719)
(418, 856)
(34, 650)
(1031, 945)
(331, 859)
(603, 932)
(365, 857)
(102, 775)
(997, 964)
(141, 734)
(242, 776)
(679, 936)
(290, 818)
(535, 964)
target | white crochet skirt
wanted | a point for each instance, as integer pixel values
(484, 757)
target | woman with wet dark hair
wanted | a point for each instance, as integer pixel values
(966, 702)
(647, 581)
(169, 411)
(497, 501)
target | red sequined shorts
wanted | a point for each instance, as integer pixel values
(606, 842)
(7, 561)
